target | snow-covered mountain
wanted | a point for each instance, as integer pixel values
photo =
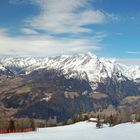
(83, 83)
(86, 66)
(133, 72)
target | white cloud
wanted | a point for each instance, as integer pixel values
(129, 61)
(3, 31)
(133, 52)
(28, 31)
(56, 17)
(38, 45)
(65, 16)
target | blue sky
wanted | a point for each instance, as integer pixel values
(108, 28)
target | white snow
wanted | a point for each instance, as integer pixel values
(133, 72)
(2, 68)
(84, 66)
(80, 131)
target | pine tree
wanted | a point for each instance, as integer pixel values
(111, 121)
(75, 118)
(98, 124)
(138, 117)
(86, 117)
(11, 125)
(32, 124)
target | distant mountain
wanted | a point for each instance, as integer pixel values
(65, 85)
(87, 65)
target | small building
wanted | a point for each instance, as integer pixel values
(135, 118)
(93, 120)
(134, 121)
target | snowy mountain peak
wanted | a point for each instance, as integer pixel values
(91, 55)
(87, 66)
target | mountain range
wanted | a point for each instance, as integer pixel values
(66, 85)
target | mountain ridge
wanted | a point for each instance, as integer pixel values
(63, 86)
(83, 63)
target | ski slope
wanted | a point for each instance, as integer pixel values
(80, 131)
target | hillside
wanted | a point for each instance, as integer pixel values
(65, 85)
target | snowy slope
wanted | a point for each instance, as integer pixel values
(80, 131)
(2, 68)
(133, 71)
(87, 66)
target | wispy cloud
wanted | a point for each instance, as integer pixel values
(3, 31)
(56, 17)
(129, 61)
(66, 16)
(39, 45)
(133, 52)
(28, 31)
